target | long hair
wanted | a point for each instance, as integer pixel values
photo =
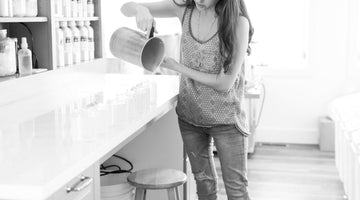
(228, 12)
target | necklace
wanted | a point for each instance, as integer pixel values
(211, 27)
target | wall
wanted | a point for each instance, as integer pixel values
(295, 100)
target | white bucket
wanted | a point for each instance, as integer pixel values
(132, 46)
(116, 187)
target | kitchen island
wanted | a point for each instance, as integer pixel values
(57, 127)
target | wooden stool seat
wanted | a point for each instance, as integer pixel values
(156, 179)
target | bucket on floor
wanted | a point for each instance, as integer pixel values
(132, 46)
(116, 187)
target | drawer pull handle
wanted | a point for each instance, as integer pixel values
(83, 183)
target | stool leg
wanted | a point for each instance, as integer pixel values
(140, 194)
(171, 194)
(177, 193)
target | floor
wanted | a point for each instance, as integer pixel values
(290, 172)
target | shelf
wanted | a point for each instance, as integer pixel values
(76, 19)
(22, 19)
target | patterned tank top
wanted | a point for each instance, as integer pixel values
(200, 104)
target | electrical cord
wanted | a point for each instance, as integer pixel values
(115, 169)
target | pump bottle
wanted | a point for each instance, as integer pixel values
(25, 58)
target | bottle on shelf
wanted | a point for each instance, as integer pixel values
(59, 46)
(90, 8)
(67, 43)
(31, 8)
(84, 7)
(11, 13)
(19, 8)
(66, 8)
(25, 58)
(75, 42)
(80, 8)
(74, 8)
(4, 8)
(58, 8)
(84, 35)
(7, 54)
(91, 41)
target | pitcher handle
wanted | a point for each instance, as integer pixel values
(152, 32)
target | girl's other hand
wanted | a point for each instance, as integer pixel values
(144, 20)
(169, 63)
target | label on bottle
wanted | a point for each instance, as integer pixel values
(76, 39)
(67, 40)
(83, 39)
(67, 44)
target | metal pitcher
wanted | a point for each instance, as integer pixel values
(132, 46)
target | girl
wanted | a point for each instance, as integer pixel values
(215, 40)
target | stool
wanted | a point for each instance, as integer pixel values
(155, 179)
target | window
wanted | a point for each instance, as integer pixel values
(281, 33)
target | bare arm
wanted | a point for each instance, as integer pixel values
(165, 8)
(145, 12)
(222, 81)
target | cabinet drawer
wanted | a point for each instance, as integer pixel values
(80, 187)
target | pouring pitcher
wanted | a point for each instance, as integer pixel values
(133, 47)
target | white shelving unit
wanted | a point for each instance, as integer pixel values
(43, 31)
(22, 19)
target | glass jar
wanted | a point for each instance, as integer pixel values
(31, 8)
(7, 54)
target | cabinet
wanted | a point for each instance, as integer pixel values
(43, 32)
(85, 186)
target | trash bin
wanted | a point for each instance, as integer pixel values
(327, 131)
(116, 187)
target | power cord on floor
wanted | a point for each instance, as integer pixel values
(115, 169)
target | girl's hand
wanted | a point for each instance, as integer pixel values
(144, 20)
(169, 63)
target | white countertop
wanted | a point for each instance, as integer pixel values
(56, 124)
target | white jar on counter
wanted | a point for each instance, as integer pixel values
(75, 42)
(31, 8)
(84, 35)
(7, 54)
(91, 41)
(19, 8)
(67, 43)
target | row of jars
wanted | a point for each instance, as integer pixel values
(74, 8)
(74, 42)
(18, 8)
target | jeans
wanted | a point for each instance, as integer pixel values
(231, 146)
